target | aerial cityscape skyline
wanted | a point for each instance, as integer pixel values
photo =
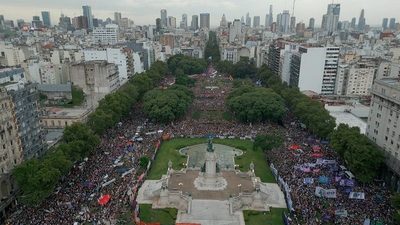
(205, 112)
(374, 12)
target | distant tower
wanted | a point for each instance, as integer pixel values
(223, 22)
(271, 16)
(248, 20)
(87, 11)
(385, 23)
(164, 18)
(195, 22)
(361, 21)
(205, 20)
(46, 18)
(311, 24)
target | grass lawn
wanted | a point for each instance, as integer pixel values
(170, 151)
(274, 217)
(163, 216)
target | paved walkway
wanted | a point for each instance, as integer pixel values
(211, 212)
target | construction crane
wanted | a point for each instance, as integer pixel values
(294, 3)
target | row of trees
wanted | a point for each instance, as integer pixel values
(188, 65)
(211, 52)
(267, 142)
(251, 104)
(245, 68)
(360, 154)
(309, 111)
(166, 105)
(117, 105)
(37, 178)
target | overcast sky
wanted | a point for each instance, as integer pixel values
(146, 11)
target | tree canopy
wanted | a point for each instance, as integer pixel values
(362, 157)
(250, 104)
(188, 65)
(167, 105)
(212, 48)
(267, 142)
(245, 68)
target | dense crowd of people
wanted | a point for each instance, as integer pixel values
(308, 165)
(113, 170)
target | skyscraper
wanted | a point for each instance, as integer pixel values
(158, 24)
(353, 23)
(385, 22)
(205, 20)
(248, 20)
(311, 23)
(331, 18)
(223, 22)
(87, 11)
(46, 18)
(117, 18)
(392, 23)
(171, 22)
(292, 24)
(164, 18)
(283, 21)
(271, 16)
(361, 21)
(184, 22)
(195, 22)
(256, 21)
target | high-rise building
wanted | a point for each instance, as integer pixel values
(256, 22)
(267, 23)
(117, 18)
(107, 35)
(292, 24)
(11, 149)
(311, 23)
(184, 22)
(36, 22)
(65, 22)
(383, 120)
(300, 28)
(164, 18)
(271, 16)
(195, 22)
(87, 11)
(46, 18)
(223, 22)
(331, 19)
(235, 31)
(158, 24)
(171, 22)
(283, 21)
(205, 20)
(392, 23)
(80, 22)
(353, 23)
(385, 23)
(361, 21)
(1, 21)
(248, 20)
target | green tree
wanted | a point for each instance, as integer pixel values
(260, 104)
(77, 96)
(267, 142)
(211, 50)
(144, 161)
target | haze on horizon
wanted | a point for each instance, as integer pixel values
(144, 12)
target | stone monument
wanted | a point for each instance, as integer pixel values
(210, 179)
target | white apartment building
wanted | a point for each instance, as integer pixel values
(10, 55)
(107, 35)
(111, 55)
(355, 79)
(384, 119)
(235, 32)
(310, 68)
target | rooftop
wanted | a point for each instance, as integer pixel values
(54, 87)
(343, 114)
(64, 112)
